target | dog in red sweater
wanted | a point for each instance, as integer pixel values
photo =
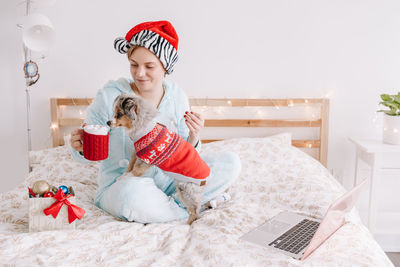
(156, 145)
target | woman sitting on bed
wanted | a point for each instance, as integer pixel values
(151, 48)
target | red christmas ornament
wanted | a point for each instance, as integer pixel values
(48, 194)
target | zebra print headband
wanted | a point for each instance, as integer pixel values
(159, 37)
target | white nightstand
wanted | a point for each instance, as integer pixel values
(379, 157)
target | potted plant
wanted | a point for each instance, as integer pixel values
(391, 118)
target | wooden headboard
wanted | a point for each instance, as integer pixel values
(321, 121)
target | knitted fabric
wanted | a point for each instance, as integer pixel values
(95, 147)
(168, 151)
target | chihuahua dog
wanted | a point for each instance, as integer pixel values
(157, 145)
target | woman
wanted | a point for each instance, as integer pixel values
(151, 48)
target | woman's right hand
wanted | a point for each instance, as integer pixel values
(76, 140)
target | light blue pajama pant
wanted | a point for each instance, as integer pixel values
(153, 200)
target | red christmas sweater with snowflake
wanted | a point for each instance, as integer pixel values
(168, 151)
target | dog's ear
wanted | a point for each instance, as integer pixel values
(116, 102)
(129, 106)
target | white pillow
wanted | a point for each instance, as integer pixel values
(284, 138)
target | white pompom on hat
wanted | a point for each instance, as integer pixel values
(158, 36)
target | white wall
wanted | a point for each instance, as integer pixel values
(13, 140)
(347, 49)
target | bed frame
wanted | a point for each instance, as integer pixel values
(321, 122)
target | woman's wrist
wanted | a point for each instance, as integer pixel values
(193, 140)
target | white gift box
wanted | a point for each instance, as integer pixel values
(38, 221)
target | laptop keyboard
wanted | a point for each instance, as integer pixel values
(297, 237)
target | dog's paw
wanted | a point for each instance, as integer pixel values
(192, 218)
(138, 172)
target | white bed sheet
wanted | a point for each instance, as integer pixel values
(275, 176)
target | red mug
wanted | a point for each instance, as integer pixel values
(95, 142)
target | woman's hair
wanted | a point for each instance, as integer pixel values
(130, 51)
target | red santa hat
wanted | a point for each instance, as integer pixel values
(158, 36)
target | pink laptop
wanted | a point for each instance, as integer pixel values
(297, 235)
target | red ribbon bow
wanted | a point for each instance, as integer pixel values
(73, 211)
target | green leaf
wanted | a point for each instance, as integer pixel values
(392, 102)
(396, 99)
(392, 105)
(386, 97)
(389, 104)
(390, 112)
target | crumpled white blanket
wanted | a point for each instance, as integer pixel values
(275, 176)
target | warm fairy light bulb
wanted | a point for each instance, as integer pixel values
(80, 112)
(54, 126)
(395, 130)
(290, 104)
(329, 94)
(219, 110)
(229, 102)
(260, 112)
(309, 145)
(306, 101)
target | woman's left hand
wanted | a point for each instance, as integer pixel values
(195, 123)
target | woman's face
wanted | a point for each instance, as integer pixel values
(146, 70)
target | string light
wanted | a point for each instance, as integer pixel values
(54, 126)
(307, 104)
(314, 133)
(328, 94)
(220, 110)
(276, 106)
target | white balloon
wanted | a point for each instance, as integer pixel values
(38, 33)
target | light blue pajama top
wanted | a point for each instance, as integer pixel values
(171, 113)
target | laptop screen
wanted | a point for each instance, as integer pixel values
(334, 218)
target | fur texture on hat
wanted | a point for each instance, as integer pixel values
(158, 36)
